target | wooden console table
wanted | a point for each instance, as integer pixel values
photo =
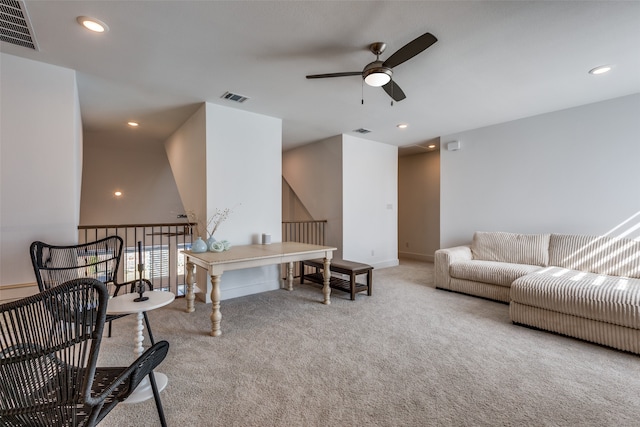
(240, 257)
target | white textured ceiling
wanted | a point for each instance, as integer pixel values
(493, 62)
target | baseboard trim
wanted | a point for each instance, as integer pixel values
(17, 291)
(385, 264)
(416, 256)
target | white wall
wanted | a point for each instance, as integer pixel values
(292, 208)
(571, 171)
(244, 172)
(370, 202)
(419, 205)
(314, 172)
(352, 183)
(186, 152)
(139, 169)
(41, 161)
(228, 158)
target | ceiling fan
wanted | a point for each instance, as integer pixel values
(380, 73)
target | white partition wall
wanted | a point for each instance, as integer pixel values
(314, 173)
(370, 201)
(228, 158)
(352, 183)
(244, 173)
(186, 150)
(41, 162)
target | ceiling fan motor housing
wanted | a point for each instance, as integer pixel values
(375, 74)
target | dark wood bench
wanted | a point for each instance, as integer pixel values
(350, 268)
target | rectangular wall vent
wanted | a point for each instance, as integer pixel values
(15, 27)
(234, 97)
(362, 130)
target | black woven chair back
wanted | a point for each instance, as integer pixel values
(54, 265)
(48, 351)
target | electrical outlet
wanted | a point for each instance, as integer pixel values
(373, 253)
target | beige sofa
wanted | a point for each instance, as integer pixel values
(586, 287)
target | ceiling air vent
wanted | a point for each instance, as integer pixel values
(234, 97)
(362, 130)
(15, 27)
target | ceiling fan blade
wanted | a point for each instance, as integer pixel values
(348, 73)
(394, 91)
(410, 50)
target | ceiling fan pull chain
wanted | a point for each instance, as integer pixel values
(362, 89)
(392, 86)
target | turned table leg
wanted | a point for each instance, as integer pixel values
(190, 297)
(216, 316)
(290, 276)
(138, 349)
(326, 274)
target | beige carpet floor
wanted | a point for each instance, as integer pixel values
(409, 355)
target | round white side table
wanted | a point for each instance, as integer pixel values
(125, 304)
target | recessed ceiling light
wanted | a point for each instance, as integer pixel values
(92, 24)
(402, 125)
(600, 70)
(133, 124)
(431, 146)
(118, 193)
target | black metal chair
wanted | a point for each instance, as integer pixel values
(51, 379)
(54, 265)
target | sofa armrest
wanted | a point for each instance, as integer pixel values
(443, 260)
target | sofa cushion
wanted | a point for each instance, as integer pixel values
(603, 255)
(532, 249)
(495, 273)
(593, 296)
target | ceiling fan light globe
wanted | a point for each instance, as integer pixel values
(377, 79)
(376, 75)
